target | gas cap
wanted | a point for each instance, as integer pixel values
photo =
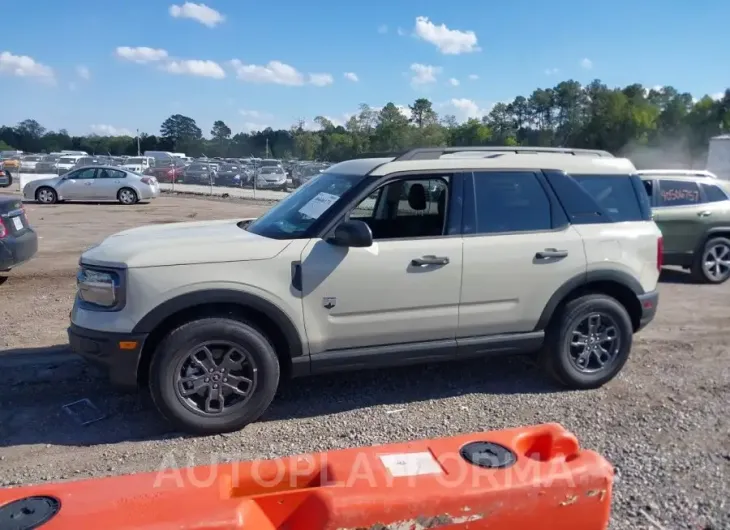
(488, 455)
(28, 513)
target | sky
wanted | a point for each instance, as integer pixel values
(115, 67)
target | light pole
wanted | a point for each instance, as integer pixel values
(138, 152)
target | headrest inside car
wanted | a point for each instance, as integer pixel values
(417, 197)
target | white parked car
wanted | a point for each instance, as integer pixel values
(28, 163)
(93, 183)
(67, 162)
(138, 164)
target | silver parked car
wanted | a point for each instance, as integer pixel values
(272, 177)
(93, 183)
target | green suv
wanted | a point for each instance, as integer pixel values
(692, 209)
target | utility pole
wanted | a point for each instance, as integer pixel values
(267, 148)
(138, 152)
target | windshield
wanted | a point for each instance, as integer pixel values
(269, 163)
(135, 161)
(229, 167)
(67, 160)
(197, 167)
(292, 217)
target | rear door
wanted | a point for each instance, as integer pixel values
(519, 249)
(108, 183)
(681, 214)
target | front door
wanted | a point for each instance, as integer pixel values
(78, 184)
(401, 292)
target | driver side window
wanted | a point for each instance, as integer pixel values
(83, 174)
(406, 208)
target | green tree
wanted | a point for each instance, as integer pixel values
(422, 113)
(182, 133)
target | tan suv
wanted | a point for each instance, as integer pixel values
(434, 255)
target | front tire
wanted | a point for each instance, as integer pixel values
(214, 375)
(46, 195)
(589, 342)
(713, 264)
(127, 196)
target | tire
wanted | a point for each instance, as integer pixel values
(127, 196)
(717, 250)
(171, 357)
(557, 355)
(46, 195)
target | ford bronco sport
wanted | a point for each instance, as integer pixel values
(492, 251)
(692, 209)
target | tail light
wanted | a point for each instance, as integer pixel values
(659, 253)
(3, 230)
(170, 172)
(147, 180)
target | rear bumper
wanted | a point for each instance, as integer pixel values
(16, 250)
(649, 303)
(104, 349)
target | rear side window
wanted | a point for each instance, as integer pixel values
(510, 202)
(713, 193)
(678, 193)
(619, 197)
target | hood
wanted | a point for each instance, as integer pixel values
(44, 182)
(182, 244)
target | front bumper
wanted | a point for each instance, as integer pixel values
(269, 185)
(16, 250)
(117, 353)
(649, 303)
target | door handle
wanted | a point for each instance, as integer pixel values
(430, 260)
(705, 213)
(551, 253)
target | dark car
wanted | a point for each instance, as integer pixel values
(198, 173)
(18, 241)
(166, 172)
(230, 175)
(6, 179)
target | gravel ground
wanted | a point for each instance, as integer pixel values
(663, 423)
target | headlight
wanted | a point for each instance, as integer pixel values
(99, 288)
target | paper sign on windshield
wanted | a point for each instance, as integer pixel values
(318, 205)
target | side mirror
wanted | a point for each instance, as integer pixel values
(352, 234)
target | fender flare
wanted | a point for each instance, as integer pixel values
(708, 234)
(580, 280)
(224, 296)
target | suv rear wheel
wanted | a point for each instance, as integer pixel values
(589, 342)
(214, 375)
(713, 264)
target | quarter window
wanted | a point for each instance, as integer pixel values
(510, 202)
(678, 193)
(714, 193)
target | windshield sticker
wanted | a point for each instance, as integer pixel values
(318, 205)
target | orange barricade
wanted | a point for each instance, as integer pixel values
(531, 478)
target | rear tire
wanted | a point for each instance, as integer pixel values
(712, 265)
(170, 389)
(578, 329)
(127, 196)
(46, 195)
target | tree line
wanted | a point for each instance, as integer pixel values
(659, 126)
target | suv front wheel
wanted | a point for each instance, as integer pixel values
(589, 342)
(214, 375)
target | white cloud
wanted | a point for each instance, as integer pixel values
(274, 72)
(717, 96)
(551, 71)
(251, 126)
(352, 76)
(110, 130)
(199, 12)
(195, 67)
(383, 29)
(83, 72)
(424, 74)
(448, 41)
(321, 79)
(454, 82)
(473, 77)
(255, 114)
(465, 109)
(24, 66)
(141, 54)
(586, 63)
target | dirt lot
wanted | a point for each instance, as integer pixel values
(664, 423)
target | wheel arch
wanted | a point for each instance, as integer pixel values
(715, 231)
(263, 314)
(617, 284)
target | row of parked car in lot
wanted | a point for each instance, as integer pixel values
(266, 173)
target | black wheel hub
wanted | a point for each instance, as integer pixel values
(28, 513)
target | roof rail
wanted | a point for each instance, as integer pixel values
(433, 153)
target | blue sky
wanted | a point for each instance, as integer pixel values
(90, 65)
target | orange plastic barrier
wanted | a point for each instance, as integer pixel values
(535, 477)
